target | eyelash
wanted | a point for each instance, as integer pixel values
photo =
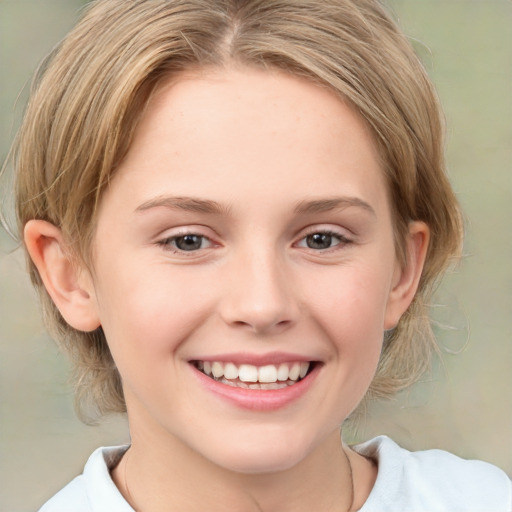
(170, 243)
(342, 240)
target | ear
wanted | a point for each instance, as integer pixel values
(406, 278)
(69, 285)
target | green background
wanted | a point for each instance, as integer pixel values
(465, 406)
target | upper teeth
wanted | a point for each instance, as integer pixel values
(249, 373)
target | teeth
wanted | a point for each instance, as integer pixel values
(294, 372)
(267, 373)
(248, 373)
(282, 372)
(250, 376)
(217, 370)
(230, 371)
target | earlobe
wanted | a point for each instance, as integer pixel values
(70, 287)
(407, 277)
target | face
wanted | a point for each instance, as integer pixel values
(244, 267)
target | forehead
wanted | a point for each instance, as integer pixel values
(253, 130)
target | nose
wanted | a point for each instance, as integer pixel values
(259, 294)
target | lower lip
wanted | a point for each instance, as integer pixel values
(258, 399)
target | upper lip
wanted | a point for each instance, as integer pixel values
(239, 358)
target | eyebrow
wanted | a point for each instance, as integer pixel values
(334, 203)
(188, 204)
(193, 204)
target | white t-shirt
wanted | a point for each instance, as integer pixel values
(426, 481)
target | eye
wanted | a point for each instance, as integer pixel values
(322, 240)
(186, 243)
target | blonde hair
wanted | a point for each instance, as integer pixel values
(92, 90)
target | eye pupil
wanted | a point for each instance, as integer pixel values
(319, 241)
(189, 242)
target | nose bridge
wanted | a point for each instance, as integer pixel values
(259, 295)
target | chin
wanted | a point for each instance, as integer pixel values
(260, 463)
(261, 455)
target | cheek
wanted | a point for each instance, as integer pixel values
(148, 313)
(352, 316)
(352, 302)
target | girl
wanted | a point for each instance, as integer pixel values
(235, 213)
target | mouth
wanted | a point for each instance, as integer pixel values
(248, 376)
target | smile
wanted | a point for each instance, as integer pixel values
(248, 376)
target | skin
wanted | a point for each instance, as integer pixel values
(269, 159)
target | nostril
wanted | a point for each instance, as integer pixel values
(263, 326)
(240, 323)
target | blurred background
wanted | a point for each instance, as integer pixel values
(464, 406)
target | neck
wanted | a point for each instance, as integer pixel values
(155, 478)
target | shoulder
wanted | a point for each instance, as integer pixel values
(94, 490)
(433, 481)
(73, 495)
